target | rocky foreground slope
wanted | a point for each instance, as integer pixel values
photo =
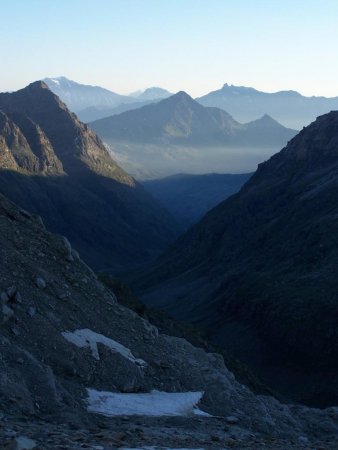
(62, 332)
(54, 165)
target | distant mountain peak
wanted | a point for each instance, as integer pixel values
(266, 122)
(152, 93)
(234, 88)
(40, 84)
(267, 119)
(289, 107)
(79, 96)
(155, 89)
(182, 96)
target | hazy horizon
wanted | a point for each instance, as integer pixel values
(190, 45)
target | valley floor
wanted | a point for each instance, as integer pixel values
(139, 432)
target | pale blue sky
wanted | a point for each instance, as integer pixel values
(191, 45)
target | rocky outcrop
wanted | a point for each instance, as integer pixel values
(26, 148)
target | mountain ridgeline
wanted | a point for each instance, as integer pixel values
(180, 119)
(94, 102)
(152, 94)
(289, 107)
(259, 269)
(78, 97)
(178, 134)
(55, 166)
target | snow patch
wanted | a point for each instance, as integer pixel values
(154, 403)
(55, 81)
(158, 448)
(88, 338)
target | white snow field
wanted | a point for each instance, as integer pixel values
(154, 403)
(88, 338)
(159, 448)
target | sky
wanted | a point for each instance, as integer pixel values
(191, 45)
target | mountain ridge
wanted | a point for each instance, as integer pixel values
(262, 265)
(246, 104)
(178, 134)
(82, 178)
(152, 93)
(178, 116)
(79, 96)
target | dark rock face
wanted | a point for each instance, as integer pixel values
(26, 146)
(54, 165)
(259, 269)
(44, 375)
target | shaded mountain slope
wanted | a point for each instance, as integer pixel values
(288, 107)
(259, 269)
(48, 298)
(189, 197)
(58, 167)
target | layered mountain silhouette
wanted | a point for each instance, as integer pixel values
(189, 197)
(85, 99)
(94, 102)
(259, 271)
(57, 167)
(288, 107)
(180, 134)
(180, 119)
